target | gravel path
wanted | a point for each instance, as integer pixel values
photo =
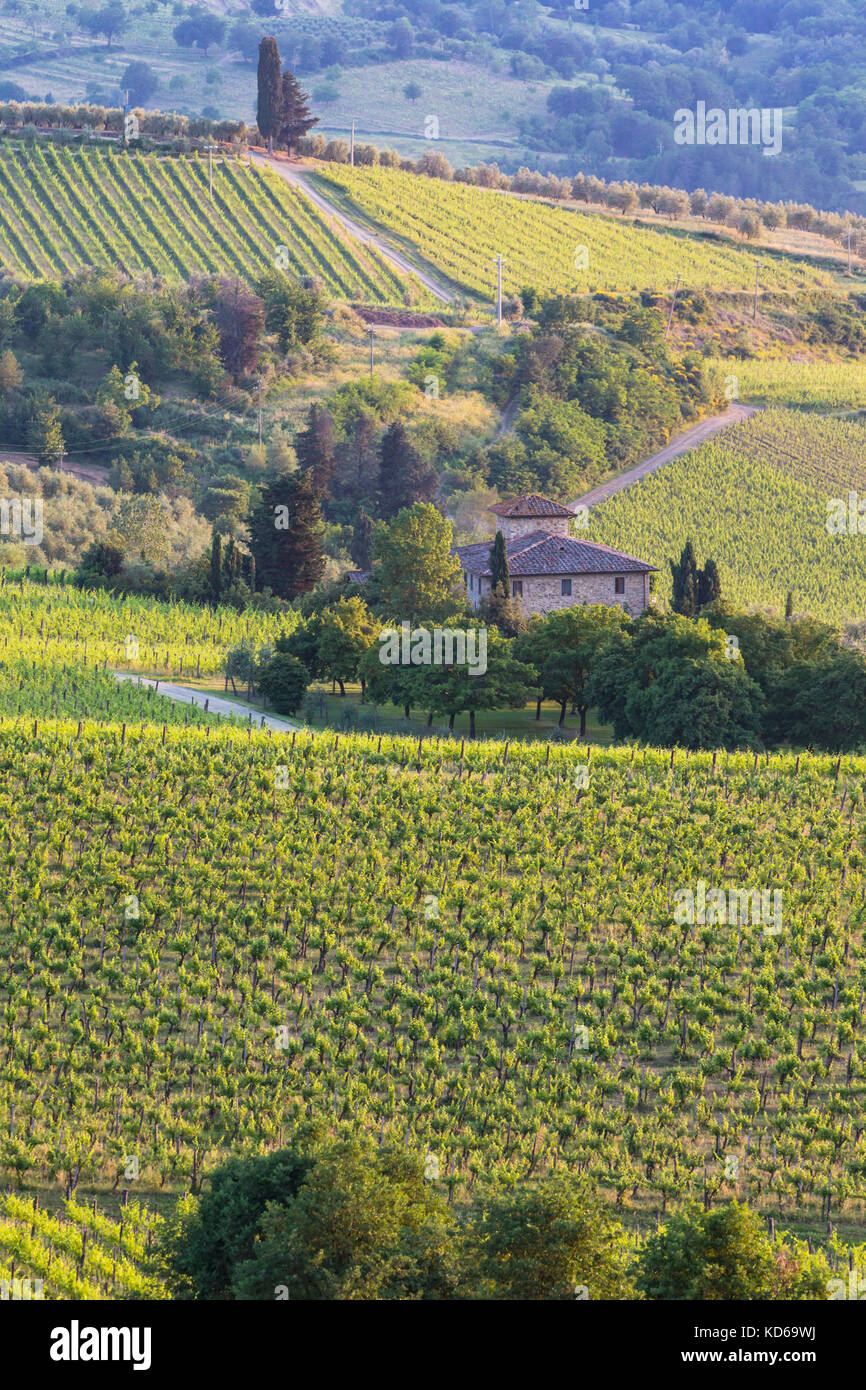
(186, 696)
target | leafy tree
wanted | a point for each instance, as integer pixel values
(404, 477)
(269, 106)
(216, 571)
(303, 643)
(100, 561)
(549, 1241)
(11, 375)
(285, 529)
(504, 683)
(201, 1247)
(667, 679)
(721, 1254)
(412, 91)
(563, 648)
(415, 577)
(44, 433)
(199, 30)
(140, 80)
(283, 681)
(110, 20)
(295, 118)
(240, 318)
(364, 1225)
(139, 523)
(293, 311)
(821, 704)
(346, 632)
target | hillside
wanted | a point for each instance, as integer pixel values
(447, 946)
(62, 210)
(459, 229)
(756, 500)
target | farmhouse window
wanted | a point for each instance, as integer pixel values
(619, 585)
(517, 588)
(566, 588)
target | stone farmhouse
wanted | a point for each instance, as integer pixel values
(549, 568)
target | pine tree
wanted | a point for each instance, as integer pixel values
(285, 529)
(314, 447)
(789, 606)
(269, 108)
(295, 118)
(709, 584)
(216, 566)
(404, 477)
(362, 536)
(684, 599)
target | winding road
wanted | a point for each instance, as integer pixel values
(293, 175)
(185, 695)
(691, 439)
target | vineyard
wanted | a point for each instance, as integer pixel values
(61, 624)
(76, 1253)
(755, 499)
(64, 209)
(812, 385)
(459, 229)
(46, 691)
(472, 951)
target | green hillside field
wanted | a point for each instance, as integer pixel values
(755, 499)
(63, 209)
(459, 228)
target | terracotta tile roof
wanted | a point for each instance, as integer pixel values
(541, 553)
(532, 504)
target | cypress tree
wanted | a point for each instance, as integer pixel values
(684, 599)
(269, 107)
(500, 576)
(314, 447)
(361, 542)
(709, 584)
(789, 606)
(295, 118)
(216, 566)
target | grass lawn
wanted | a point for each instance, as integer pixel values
(505, 723)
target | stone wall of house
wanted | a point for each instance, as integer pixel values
(543, 594)
(512, 526)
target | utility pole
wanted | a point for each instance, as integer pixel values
(371, 354)
(849, 250)
(210, 149)
(259, 389)
(500, 262)
(673, 304)
(755, 305)
(352, 147)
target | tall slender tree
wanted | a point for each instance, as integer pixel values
(314, 447)
(269, 108)
(500, 576)
(295, 118)
(684, 598)
(709, 584)
(404, 476)
(216, 566)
